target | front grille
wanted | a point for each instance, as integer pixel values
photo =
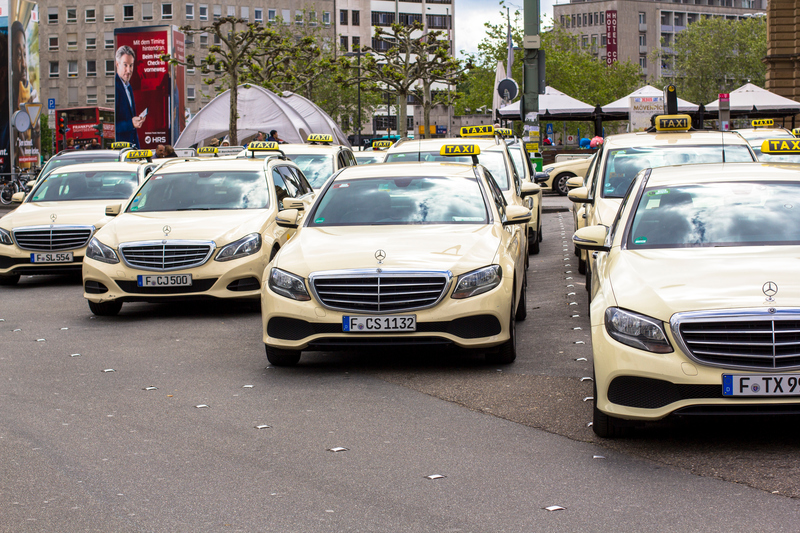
(379, 292)
(648, 393)
(53, 238)
(166, 255)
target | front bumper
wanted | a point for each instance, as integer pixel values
(15, 261)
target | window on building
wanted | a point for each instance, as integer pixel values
(562, 20)
(602, 17)
(585, 41)
(585, 20)
(326, 18)
(91, 41)
(52, 15)
(258, 15)
(343, 43)
(147, 11)
(573, 21)
(202, 11)
(342, 17)
(643, 61)
(579, 20)
(189, 11)
(189, 41)
(127, 12)
(642, 39)
(312, 18)
(72, 95)
(53, 42)
(72, 41)
(437, 22)
(190, 70)
(286, 15)
(356, 43)
(90, 15)
(108, 40)
(110, 95)
(190, 94)
(272, 14)
(91, 68)
(72, 69)
(298, 17)
(356, 18)
(603, 41)
(204, 40)
(54, 69)
(109, 67)
(166, 11)
(109, 13)
(642, 18)
(91, 95)
(72, 15)
(382, 18)
(231, 11)
(245, 13)
(217, 41)
(217, 12)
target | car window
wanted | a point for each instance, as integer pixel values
(58, 162)
(283, 188)
(101, 185)
(317, 168)
(203, 191)
(400, 201)
(301, 181)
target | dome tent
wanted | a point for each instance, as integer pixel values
(315, 117)
(259, 110)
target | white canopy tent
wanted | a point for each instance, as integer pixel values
(553, 104)
(622, 106)
(259, 110)
(315, 117)
(752, 100)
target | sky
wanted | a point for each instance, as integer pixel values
(472, 14)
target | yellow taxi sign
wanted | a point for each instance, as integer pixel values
(139, 154)
(781, 146)
(120, 145)
(207, 150)
(381, 145)
(532, 147)
(504, 132)
(763, 123)
(258, 146)
(320, 138)
(460, 149)
(673, 122)
(475, 131)
(796, 132)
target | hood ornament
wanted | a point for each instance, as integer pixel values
(770, 289)
(53, 217)
(166, 230)
(380, 255)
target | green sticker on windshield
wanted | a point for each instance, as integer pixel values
(320, 220)
(658, 192)
(640, 240)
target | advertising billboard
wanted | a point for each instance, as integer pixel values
(642, 108)
(23, 16)
(5, 101)
(611, 36)
(148, 98)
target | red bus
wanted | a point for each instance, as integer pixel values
(81, 122)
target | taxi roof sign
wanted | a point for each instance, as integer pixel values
(476, 131)
(139, 154)
(504, 132)
(763, 123)
(781, 146)
(796, 132)
(459, 149)
(207, 150)
(120, 145)
(381, 145)
(673, 123)
(260, 146)
(320, 138)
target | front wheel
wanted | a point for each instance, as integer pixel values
(278, 357)
(111, 308)
(605, 426)
(561, 183)
(506, 353)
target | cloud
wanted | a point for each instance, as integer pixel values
(472, 14)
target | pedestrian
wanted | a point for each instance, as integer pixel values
(273, 136)
(213, 142)
(160, 151)
(94, 145)
(169, 151)
(225, 142)
(261, 136)
(70, 144)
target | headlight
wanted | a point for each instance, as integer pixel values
(548, 170)
(241, 248)
(5, 237)
(287, 284)
(636, 330)
(478, 282)
(100, 252)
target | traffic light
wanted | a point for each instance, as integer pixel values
(99, 128)
(62, 125)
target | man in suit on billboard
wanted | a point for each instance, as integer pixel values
(126, 119)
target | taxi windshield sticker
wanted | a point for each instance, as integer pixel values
(658, 192)
(319, 220)
(139, 154)
(673, 122)
(640, 240)
(459, 149)
(763, 123)
(781, 146)
(262, 145)
(472, 131)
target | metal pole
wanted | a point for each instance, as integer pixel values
(359, 97)
(531, 43)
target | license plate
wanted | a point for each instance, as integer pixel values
(63, 257)
(761, 384)
(376, 324)
(164, 280)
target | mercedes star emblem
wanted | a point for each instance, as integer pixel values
(380, 255)
(770, 288)
(53, 217)
(166, 230)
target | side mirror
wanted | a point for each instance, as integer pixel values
(580, 196)
(540, 177)
(517, 214)
(293, 203)
(591, 238)
(574, 182)
(530, 189)
(17, 197)
(30, 184)
(288, 218)
(113, 210)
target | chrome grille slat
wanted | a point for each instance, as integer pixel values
(53, 238)
(169, 255)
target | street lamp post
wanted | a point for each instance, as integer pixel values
(357, 53)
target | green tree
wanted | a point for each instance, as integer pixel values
(716, 55)
(340, 100)
(46, 137)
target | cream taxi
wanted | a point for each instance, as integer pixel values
(520, 158)
(761, 130)
(414, 254)
(49, 231)
(494, 155)
(558, 174)
(622, 156)
(202, 229)
(696, 295)
(376, 155)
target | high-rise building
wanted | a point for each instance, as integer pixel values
(783, 48)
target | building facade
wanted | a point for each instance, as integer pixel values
(783, 48)
(631, 30)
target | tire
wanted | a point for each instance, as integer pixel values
(581, 264)
(9, 280)
(278, 357)
(6, 192)
(506, 353)
(560, 184)
(605, 426)
(533, 245)
(110, 308)
(522, 308)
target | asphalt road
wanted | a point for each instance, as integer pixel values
(101, 429)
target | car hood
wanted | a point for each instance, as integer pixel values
(77, 213)
(457, 248)
(659, 283)
(221, 227)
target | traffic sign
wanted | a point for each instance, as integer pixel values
(51, 103)
(549, 129)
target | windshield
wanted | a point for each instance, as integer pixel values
(756, 139)
(623, 164)
(406, 200)
(494, 162)
(188, 191)
(100, 185)
(717, 214)
(369, 159)
(58, 162)
(316, 167)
